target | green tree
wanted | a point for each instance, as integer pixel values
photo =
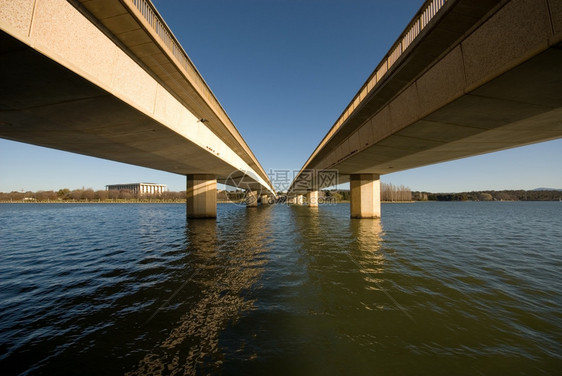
(63, 194)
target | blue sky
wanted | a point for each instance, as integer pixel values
(284, 70)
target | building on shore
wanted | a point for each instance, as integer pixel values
(139, 188)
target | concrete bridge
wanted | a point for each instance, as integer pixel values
(466, 77)
(108, 79)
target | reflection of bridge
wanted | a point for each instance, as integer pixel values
(108, 79)
(466, 77)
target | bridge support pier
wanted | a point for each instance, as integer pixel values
(264, 200)
(252, 199)
(365, 192)
(312, 198)
(299, 200)
(201, 196)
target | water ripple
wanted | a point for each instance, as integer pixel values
(432, 288)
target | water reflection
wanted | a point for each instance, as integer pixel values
(366, 250)
(368, 233)
(368, 256)
(105, 289)
(218, 291)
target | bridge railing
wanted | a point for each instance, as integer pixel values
(158, 25)
(412, 31)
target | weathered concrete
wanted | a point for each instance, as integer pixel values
(252, 199)
(365, 191)
(299, 200)
(201, 196)
(264, 199)
(312, 198)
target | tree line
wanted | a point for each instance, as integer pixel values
(124, 195)
(89, 195)
(505, 195)
(389, 193)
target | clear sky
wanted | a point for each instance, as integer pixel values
(284, 70)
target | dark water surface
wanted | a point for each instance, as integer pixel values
(431, 289)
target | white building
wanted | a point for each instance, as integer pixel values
(139, 188)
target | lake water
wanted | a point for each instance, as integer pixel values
(431, 289)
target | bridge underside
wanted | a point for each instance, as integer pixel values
(520, 107)
(46, 104)
(481, 76)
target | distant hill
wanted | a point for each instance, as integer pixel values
(547, 189)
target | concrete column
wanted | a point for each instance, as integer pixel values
(365, 196)
(300, 200)
(264, 200)
(201, 196)
(252, 199)
(312, 198)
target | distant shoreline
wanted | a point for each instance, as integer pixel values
(92, 202)
(237, 203)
